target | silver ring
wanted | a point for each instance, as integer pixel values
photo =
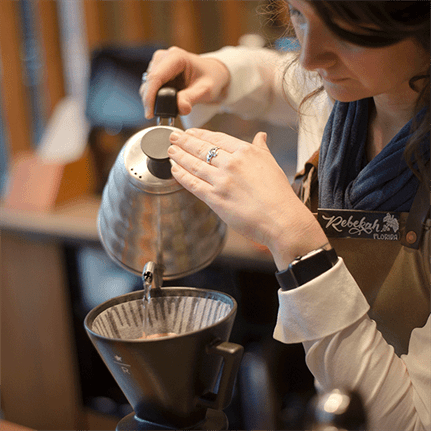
(212, 153)
(144, 77)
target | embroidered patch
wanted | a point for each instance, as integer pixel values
(384, 226)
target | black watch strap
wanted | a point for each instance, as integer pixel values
(305, 268)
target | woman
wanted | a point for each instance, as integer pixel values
(371, 122)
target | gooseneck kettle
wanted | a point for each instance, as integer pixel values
(146, 215)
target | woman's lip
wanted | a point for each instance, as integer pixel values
(333, 80)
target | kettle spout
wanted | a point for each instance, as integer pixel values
(152, 278)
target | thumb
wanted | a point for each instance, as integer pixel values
(197, 92)
(184, 104)
(260, 140)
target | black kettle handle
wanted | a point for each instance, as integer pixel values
(166, 103)
(166, 99)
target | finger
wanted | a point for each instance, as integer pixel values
(141, 91)
(199, 91)
(217, 139)
(197, 147)
(184, 105)
(260, 140)
(193, 165)
(184, 102)
(201, 189)
(169, 65)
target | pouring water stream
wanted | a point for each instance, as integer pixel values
(151, 279)
(147, 278)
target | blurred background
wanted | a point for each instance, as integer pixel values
(69, 74)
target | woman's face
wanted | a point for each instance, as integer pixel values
(351, 72)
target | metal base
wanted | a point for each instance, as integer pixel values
(214, 420)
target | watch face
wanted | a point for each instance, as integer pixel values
(306, 268)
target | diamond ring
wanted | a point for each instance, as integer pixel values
(211, 154)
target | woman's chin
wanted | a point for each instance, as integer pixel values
(342, 94)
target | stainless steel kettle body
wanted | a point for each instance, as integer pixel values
(146, 215)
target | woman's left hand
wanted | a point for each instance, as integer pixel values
(246, 187)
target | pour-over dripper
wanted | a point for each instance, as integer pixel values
(169, 381)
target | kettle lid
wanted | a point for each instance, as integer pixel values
(146, 160)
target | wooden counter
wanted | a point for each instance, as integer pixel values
(40, 383)
(77, 222)
(9, 426)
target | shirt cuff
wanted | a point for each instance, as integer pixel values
(325, 305)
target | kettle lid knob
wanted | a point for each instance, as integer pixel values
(155, 143)
(155, 146)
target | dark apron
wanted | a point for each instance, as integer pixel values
(388, 254)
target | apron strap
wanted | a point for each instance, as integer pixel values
(305, 184)
(419, 212)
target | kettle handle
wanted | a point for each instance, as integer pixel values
(166, 99)
(232, 355)
(166, 103)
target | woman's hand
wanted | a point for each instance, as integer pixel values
(205, 79)
(246, 187)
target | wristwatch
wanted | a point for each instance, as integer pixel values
(304, 268)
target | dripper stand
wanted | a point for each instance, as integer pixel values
(213, 420)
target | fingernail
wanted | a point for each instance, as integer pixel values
(172, 150)
(148, 113)
(174, 137)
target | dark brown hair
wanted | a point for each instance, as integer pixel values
(379, 24)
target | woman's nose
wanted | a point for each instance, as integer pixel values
(317, 49)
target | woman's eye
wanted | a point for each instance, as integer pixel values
(294, 12)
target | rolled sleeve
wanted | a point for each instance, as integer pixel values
(326, 305)
(418, 363)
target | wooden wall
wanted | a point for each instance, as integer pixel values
(39, 382)
(197, 26)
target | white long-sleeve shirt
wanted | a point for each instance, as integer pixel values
(257, 91)
(329, 314)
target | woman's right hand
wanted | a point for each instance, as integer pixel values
(206, 79)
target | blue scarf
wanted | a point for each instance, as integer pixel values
(347, 181)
